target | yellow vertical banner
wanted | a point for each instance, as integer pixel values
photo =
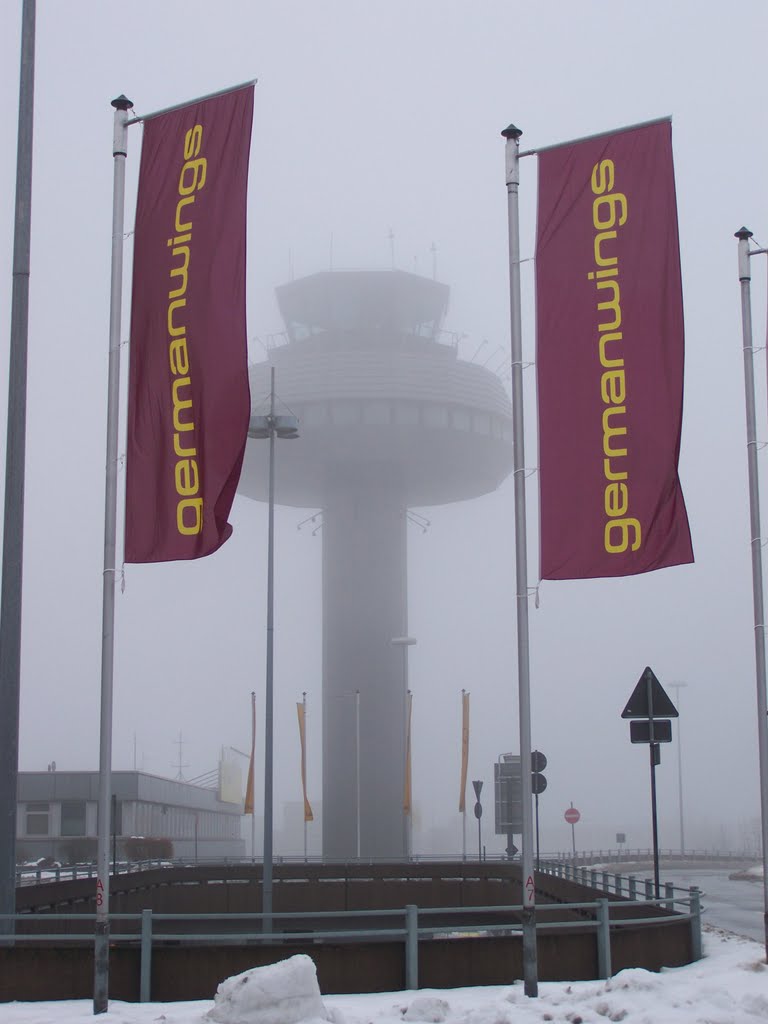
(407, 789)
(464, 749)
(300, 710)
(248, 806)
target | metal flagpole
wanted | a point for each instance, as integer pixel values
(13, 523)
(101, 946)
(530, 967)
(304, 755)
(357, 767)
(251, 769)
(464, 794)
(266, 896)
(745, 276)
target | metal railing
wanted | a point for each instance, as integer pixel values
(34, 873)
(411, 926)
(611, 881)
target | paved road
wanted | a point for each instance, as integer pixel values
(731, 904)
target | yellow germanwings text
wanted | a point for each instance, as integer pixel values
(609, 212)
(189, 507)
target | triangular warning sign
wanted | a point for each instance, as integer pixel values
(643, 696)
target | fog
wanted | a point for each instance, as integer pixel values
(376, 145)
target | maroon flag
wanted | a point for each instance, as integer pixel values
(188, 394)
(610, 357)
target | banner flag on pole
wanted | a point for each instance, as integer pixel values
(464, 750)
(308, 815)
(248, 805)
(609, 356)
(188, 393)
(407, 788)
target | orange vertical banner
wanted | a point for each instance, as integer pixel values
(248, 806)
(464, 749)
(407, 789)
(308, 815)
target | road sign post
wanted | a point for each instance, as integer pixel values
(478, 786)
(538, 785)
(649, 702)
(572, 816)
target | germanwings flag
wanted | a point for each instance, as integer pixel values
(188, 394)
(610, 357)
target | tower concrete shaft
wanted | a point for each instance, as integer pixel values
(364, 608)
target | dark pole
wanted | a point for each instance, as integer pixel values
(478, 786)
(654, 747)
(655, 758)
(537, 831)
(13, 523)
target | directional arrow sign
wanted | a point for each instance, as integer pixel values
(639, 704)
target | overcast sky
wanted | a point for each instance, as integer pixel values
(371, 117)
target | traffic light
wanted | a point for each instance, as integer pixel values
(538, 764)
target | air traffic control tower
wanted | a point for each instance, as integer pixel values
(390, 419)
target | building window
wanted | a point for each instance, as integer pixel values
(73, 817)
(37, 819)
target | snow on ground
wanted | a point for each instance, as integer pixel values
(729, 986)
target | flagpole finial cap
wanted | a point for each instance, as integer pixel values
(743, 234)
(122, 103)
(512, 132)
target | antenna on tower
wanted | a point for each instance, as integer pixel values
(180, 765)
(391, 237)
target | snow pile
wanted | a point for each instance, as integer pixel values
(283, 993)
(429, 1009)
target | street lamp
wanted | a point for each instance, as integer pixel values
(677, 687)
(263, 427)
(405, 642)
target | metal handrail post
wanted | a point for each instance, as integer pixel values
(411, 947)
(669, 893)
(145, 983)
(695, 907)
(603, 939)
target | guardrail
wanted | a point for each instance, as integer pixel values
(149, 929)
(609, 881)
(37, 873)
(617, 855)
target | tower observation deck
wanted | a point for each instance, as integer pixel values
(391, 419)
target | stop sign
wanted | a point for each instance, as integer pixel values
(572, 815)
